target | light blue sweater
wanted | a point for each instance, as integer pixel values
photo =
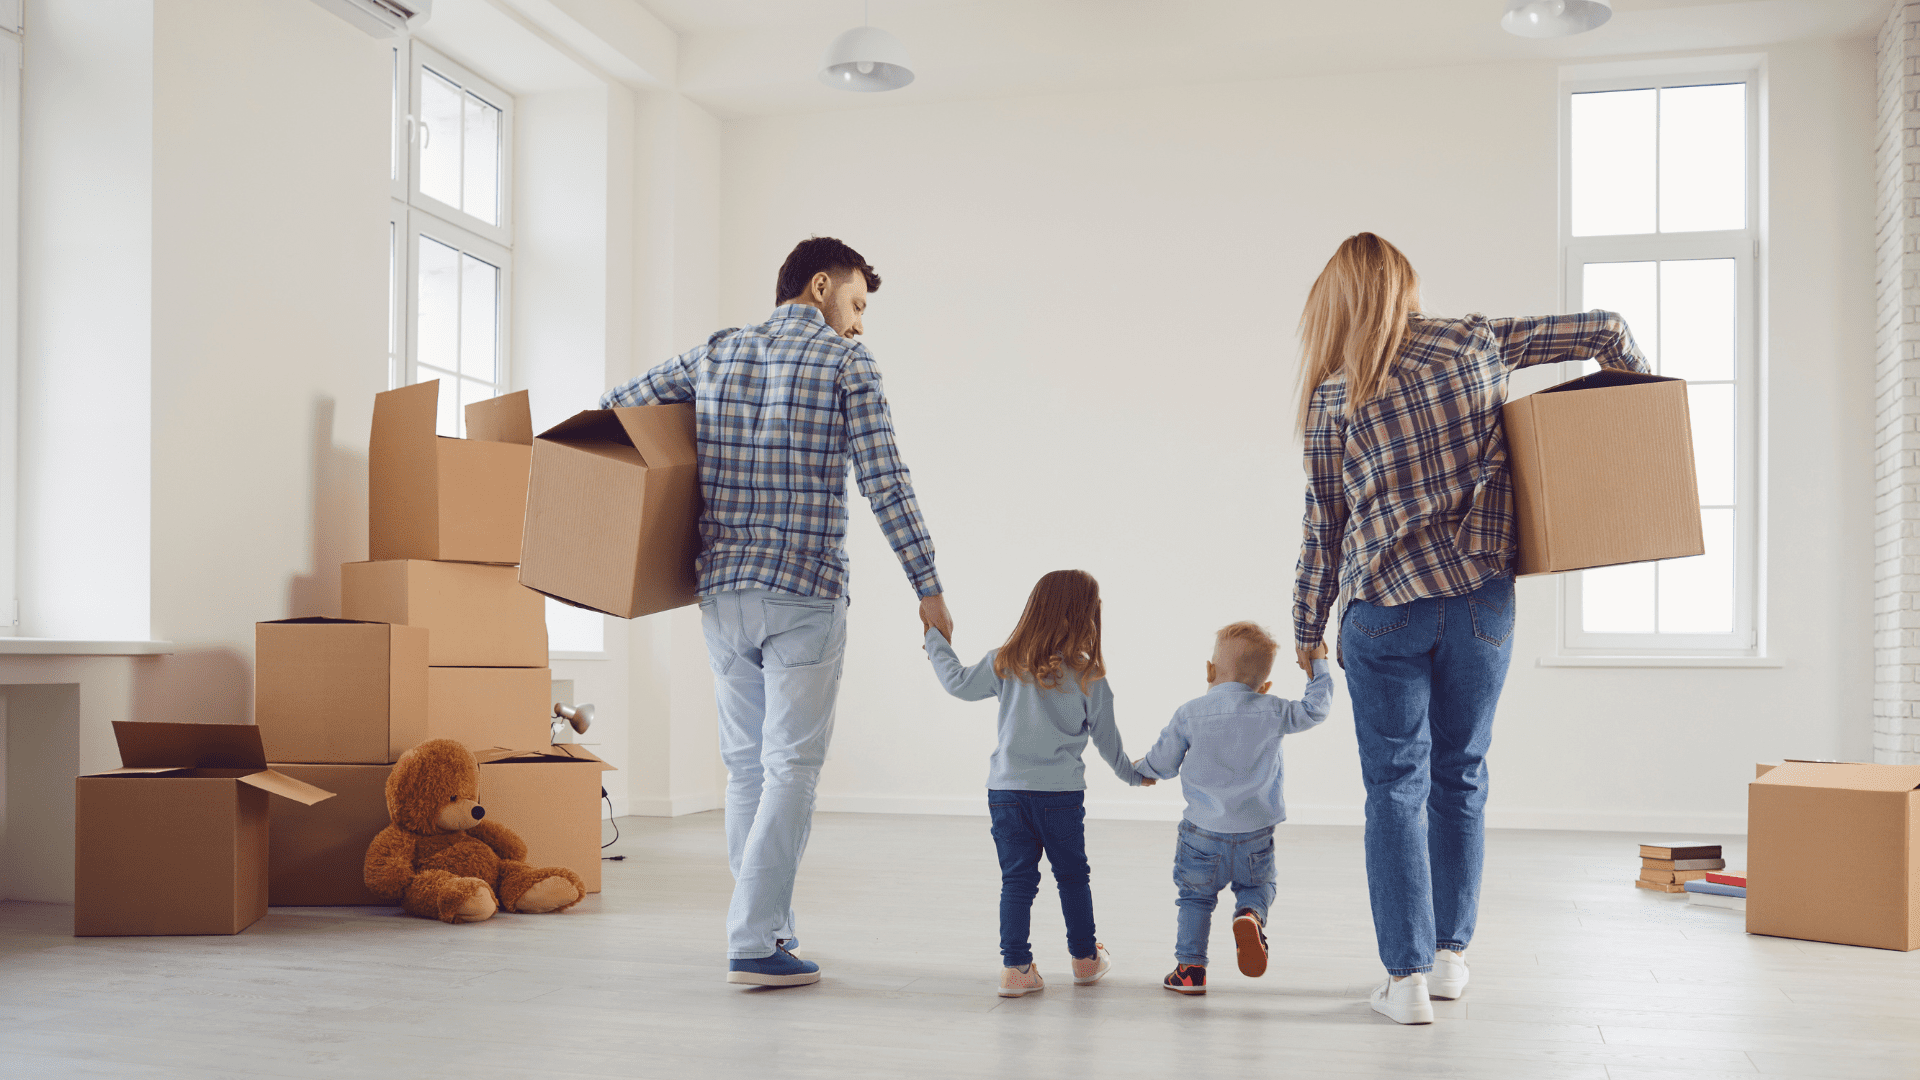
(1042, 731)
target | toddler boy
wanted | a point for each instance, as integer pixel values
(1225, 747)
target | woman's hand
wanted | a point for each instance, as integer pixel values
(1306, 657)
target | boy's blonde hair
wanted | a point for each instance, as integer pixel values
(1243, 653)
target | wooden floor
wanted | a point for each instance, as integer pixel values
(1575, 974)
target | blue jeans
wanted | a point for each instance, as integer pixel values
(1206, 862)
(1424, 678)
(776, 671)
(1025, 824)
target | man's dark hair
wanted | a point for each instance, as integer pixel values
(814, 255)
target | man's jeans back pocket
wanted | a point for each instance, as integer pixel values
(798, 630)
(1375, 621)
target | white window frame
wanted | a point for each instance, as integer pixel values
(1743, 246)
(12, 51)
(425, 57)
(421, 224)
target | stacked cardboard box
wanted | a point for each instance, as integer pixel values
(1667, 865)
(438, 640)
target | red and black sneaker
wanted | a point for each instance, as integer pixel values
(1187, 979)
(1250, 938)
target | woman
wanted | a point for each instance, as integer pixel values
(1410, 512)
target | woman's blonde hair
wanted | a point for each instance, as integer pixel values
(1355, 320)
(1059, 631)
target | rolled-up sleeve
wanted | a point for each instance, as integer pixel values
(1551, 339)
(670, 383)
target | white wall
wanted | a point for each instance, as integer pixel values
(1087, 328)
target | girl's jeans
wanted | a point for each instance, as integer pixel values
(1424, 678)
(1206, 862)
(1026, 824)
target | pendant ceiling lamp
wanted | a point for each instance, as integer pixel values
(866, 59)
(1554, 18)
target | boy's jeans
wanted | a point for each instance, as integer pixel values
(1025, 824)
(776, 666)
(1424, 678)
(1206, 862)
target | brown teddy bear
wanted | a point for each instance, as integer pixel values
(441, 860)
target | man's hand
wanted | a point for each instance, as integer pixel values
(1145, 780)
(933, 616)
(1306, 657)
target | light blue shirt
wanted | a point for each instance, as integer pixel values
(1225, 747)
(1042, 731)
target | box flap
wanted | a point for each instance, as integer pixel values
(1606, 377)
(590, 426)
(403, 472)
(557, 752)
(162, 771)
(1843, 775)
(279, 783)
(315, 619)
(189, 746)
(664, 434)
(506, 418)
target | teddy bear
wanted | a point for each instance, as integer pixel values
(442, 859)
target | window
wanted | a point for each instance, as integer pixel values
(449, 239)
(10, 60)
(1660, 223)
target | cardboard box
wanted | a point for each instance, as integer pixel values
(1833, 853)
(551, 798)
(613, 511)
(450, 499)
(475, 616)
(1603, 473)
(317, 857)
(339, 691)
(490, 707)
(175, 840)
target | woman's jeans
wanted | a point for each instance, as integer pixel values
(1206, 862)
(1025, 824)
(1424, 678)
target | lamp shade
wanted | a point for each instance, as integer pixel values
(867, 59)
(1554, 18)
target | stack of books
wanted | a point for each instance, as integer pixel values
(1721, 889)
(1667, 866)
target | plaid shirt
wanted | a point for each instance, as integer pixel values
(781, 408)
(1411, 497)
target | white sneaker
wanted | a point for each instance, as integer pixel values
(1403, 1001)
(1087, 970)
(1448, 979)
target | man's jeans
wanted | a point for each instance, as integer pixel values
(776, 666)
(1206, 862)
(1025, 824)
(1424, 678)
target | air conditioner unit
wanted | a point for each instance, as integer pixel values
(381, 18)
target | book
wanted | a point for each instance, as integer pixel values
(1658, 887)
(1682, 864)
(1707, 899)
(1729, 877)
(1672, 877)
(1714, 888)
(1679, 849)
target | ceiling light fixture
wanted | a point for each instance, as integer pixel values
(866, 59)
(1554, 18)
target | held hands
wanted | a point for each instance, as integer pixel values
(933, 616)
(1306, 657)
(1145, 780)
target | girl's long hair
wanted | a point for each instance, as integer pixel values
(1356, 320)
(1060, 630)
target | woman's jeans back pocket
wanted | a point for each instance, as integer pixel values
(1492, 609)
(798, 630)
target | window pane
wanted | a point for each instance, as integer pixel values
(448, 401)
(1614, 135)
(479, 318)
(469, 392)
(1617, 599)
(482, 191)
(437, 322)
(1631, 289)
(393, 296)
(1713, 441)
(572, 629)
(1703, 158)
(1696, 595)
(399, 121)
(1699, 306)
(439, 138)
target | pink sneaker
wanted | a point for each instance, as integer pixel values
(1017, 983)
(1088, 970)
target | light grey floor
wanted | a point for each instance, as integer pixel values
(1575, 974)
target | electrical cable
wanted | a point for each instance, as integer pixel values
(616, 830)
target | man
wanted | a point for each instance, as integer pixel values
(782, 408)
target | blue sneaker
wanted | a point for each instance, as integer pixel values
(781, 969)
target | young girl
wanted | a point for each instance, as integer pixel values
(1053, 694)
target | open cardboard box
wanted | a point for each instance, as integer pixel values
(340, 691)
(175, 840)
(551, 797)
(613, 511)
(475, 615)
(1833, 853)
(431, 497)
(1603, 473)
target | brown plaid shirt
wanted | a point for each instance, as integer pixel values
(1411, 497)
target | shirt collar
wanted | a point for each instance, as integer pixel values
(1237, 686)
(805, 313)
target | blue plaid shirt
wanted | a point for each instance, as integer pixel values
(782, 407)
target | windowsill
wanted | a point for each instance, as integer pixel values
(566, 655)
(28, 646)
(1661, 662)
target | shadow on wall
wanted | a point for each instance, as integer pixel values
(338, 520)
(211, 685)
